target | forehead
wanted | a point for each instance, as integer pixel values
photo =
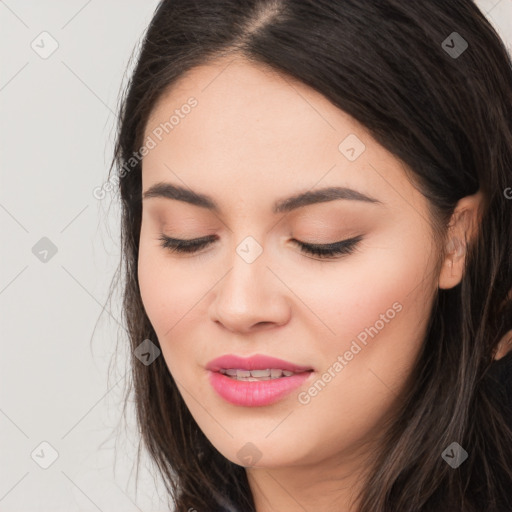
(266, 132)
(249, 104)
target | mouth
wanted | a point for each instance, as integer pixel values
(256, 381)
(258, 375)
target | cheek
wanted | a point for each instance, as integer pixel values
(379, 315)
(156, 287)
(167, 294)
(385, 287)
(374, 309)
(175, 301)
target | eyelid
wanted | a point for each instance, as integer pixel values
(330, 251)
(189, 246)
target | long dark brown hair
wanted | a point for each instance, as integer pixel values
(445, 115)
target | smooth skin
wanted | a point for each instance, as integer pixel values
(256, 137)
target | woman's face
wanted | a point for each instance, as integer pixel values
(250, 139)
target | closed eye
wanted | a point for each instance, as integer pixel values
(326, 251)
(330, 250)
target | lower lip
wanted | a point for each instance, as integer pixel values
(255, 393)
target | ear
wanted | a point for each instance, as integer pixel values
(462, 228)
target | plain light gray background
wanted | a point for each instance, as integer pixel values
(57, 131)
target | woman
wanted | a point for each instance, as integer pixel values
(317, 239)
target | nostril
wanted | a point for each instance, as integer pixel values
(264, 324)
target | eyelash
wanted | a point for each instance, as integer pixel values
(323, 251)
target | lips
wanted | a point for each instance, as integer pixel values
(256, 362)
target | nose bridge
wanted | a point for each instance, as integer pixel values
(247, 295)
(245, 283)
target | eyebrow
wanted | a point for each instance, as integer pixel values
(169, 191)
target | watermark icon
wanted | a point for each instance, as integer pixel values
(249, 454)
(454, 45)
(454, 455)
(147, 352)
(44, 45)
(249, 249)
(508, 193)
(44, 250)
(44, 455)
(150, 143)
(351, 147)
(304, 397)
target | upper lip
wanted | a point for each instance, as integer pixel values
(256, 362)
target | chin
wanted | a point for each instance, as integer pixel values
(259, 454)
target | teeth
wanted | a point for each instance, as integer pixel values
(260, 373)
(255, 375)
(243, 373)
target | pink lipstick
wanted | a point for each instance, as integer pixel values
(255, 381)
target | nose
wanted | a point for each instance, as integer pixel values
(250, 297)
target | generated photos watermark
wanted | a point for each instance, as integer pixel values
(343, 360)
